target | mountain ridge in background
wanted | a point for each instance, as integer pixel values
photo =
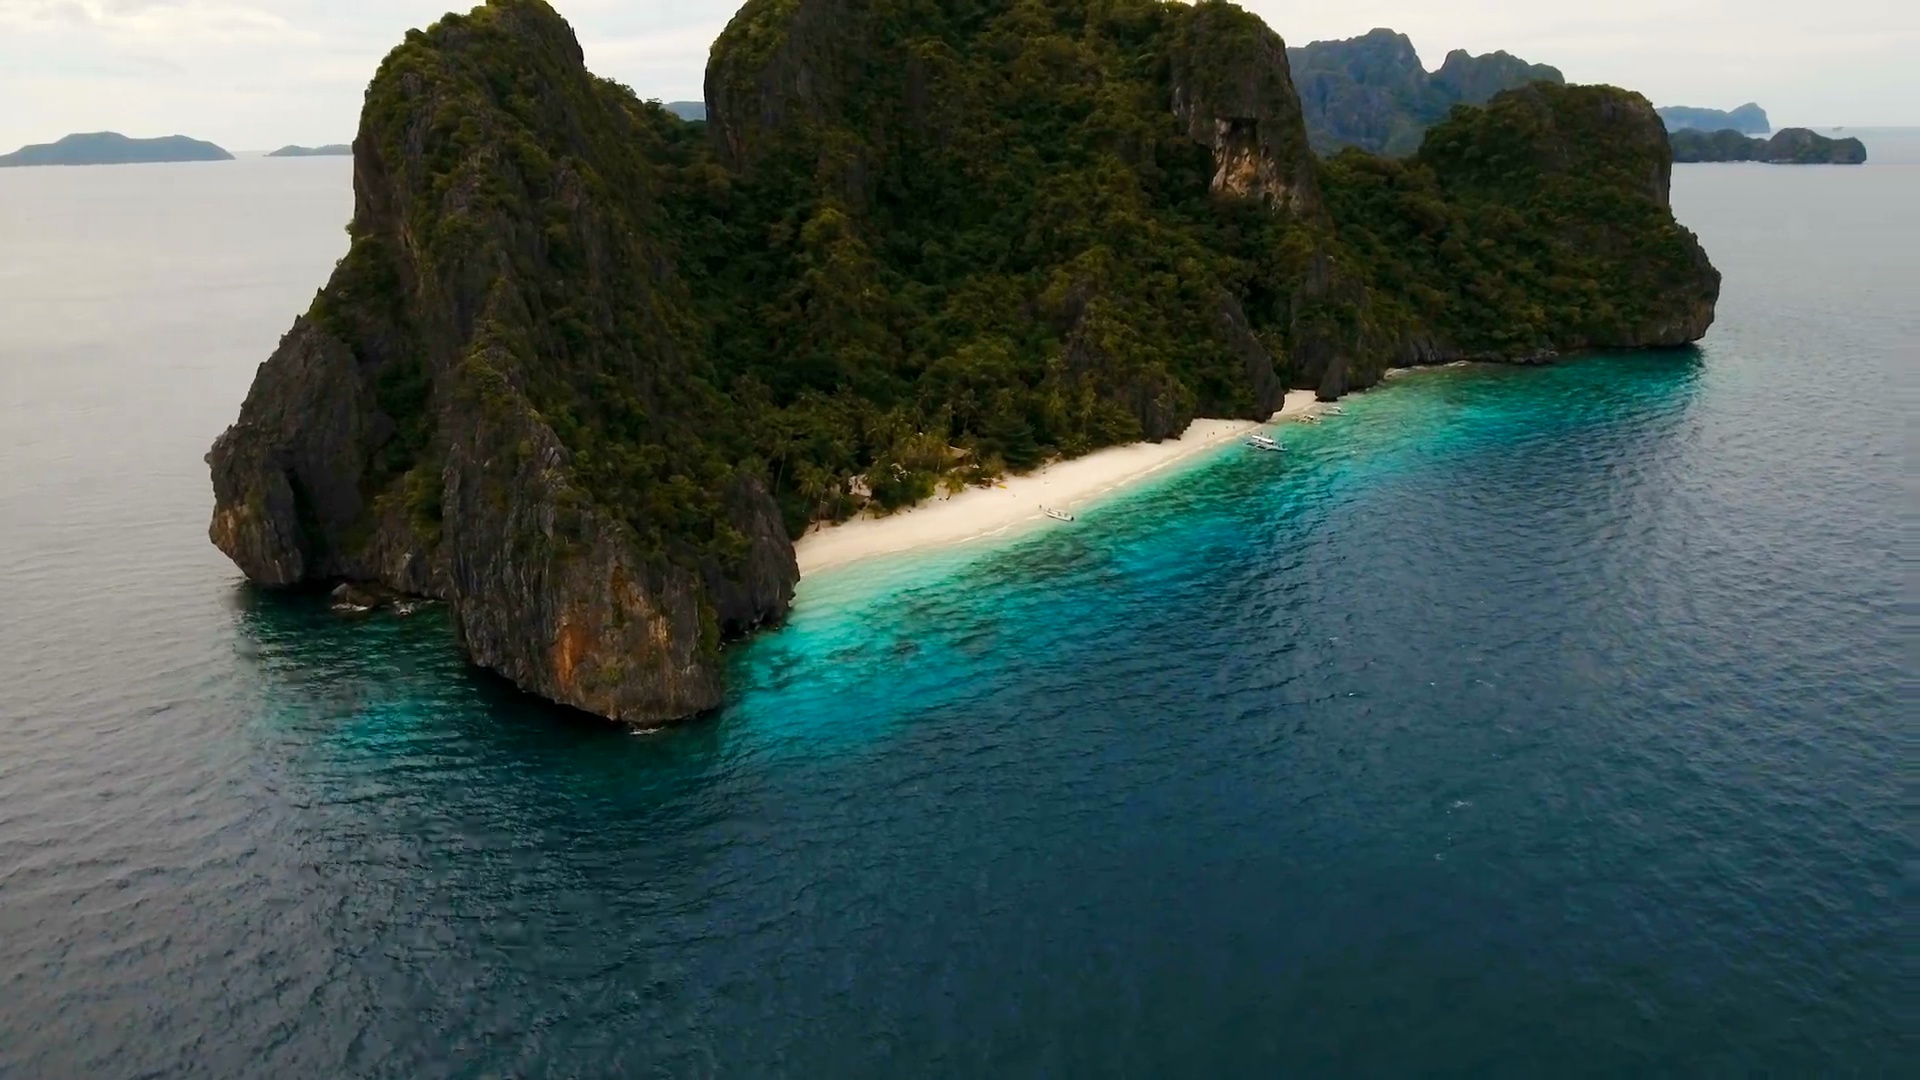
(1748, 119)
(1372, 92)
(113, 148)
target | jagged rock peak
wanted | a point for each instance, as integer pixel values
(438, 422)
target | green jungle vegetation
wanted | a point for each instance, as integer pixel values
(980, 239)
(1507, 244)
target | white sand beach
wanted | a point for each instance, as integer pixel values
(1015, 502)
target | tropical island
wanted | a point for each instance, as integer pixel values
(1788, 146)
(1748, 119)
(330, 150)
(113, 148)
(1371, 91)
(587, 369)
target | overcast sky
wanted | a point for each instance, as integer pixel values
(254, 74)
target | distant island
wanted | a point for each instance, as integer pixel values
(330, 150)
(1371, 92)
(113, 148)
(688, 110)
(1748, 119)
(586, 369)
(1789, 146)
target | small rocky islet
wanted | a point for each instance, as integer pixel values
(1788, 146)
(587, 368)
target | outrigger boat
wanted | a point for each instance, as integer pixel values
(1264, 442)
(1057, 515)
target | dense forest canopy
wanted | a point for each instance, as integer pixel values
(997, 243)
(579, 339)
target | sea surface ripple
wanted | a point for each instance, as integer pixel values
(1520, 721)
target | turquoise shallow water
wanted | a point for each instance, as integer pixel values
(1521, 721)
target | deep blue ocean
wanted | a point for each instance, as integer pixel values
(1531, 722)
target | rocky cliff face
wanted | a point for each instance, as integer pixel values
(408, 430)
(782, 66)
(287, 477)
(587, 367)
(1233, 93)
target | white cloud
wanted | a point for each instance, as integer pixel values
(670, 65)
(252, 74)
(149, 22)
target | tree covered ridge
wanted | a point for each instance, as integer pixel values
(927, 240)
(1535, 226)
(508, 245)
(989, 233)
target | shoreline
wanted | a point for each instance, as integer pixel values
(1015, 501)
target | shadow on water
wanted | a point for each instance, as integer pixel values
(358, 693)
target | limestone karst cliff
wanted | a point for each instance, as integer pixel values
(501, 399)
(587, 367)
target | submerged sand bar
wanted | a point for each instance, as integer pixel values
(978, 513)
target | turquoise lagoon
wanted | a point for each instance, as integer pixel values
(1521, 721)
